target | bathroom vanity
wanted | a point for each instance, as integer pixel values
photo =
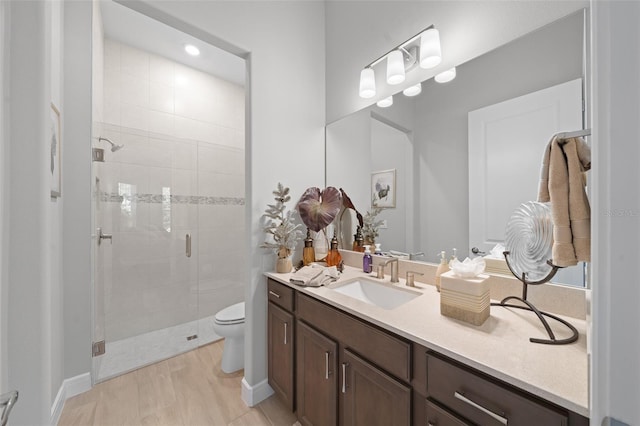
(334, 359)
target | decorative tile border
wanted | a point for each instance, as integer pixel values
(173, 199)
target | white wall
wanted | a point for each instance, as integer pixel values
(615, 373)
(4, 178)
(76, 216)
(29, 207)
(359, 32)
(284, 42)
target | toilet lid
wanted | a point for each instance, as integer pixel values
(231, 315)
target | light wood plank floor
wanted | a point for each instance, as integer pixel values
(189, 389)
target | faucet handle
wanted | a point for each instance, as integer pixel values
(410, 278)
(380, 271)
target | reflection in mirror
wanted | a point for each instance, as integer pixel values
(426, 139)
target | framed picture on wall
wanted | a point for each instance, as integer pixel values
(54, 149)
(383, 188)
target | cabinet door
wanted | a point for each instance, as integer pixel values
(371, 397)
(281, 354)
(438, 416)
(316, 382)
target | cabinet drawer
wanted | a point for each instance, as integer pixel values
(485, 402)
(438, 416)
(280, 294)
(383, 349)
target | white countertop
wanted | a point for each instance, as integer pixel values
(500, 347)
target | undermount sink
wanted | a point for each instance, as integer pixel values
(376, 293)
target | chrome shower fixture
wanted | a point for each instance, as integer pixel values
(114, 147)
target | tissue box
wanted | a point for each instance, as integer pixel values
(466, 299)
(496, 266)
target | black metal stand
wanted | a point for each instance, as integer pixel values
(530, 307)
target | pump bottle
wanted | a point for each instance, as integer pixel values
(442, 268)
(367, 261)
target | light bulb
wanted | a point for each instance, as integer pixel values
(191, 50)
(446, 76)
(386, 102)
(430, 51)
(395, 67)
(413, 90)
(367, 83)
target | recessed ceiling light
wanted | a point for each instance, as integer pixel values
(191, 50)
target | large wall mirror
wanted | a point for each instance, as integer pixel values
(425, 139)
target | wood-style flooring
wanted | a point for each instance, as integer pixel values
(189, 389)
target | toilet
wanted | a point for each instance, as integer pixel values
(229, 323)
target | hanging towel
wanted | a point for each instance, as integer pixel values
(562, 183)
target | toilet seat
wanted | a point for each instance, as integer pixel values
(233, 314)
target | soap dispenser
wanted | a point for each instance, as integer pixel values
(367, 261)
(442, 268)
(378, 249)
(454, 256)
(308, 253)
(358, 240)
(333, 257)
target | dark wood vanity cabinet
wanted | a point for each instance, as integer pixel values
(336, 369)
(317, 377)
(370, 396)
(344, 370)
(281, 342)
(459, 395)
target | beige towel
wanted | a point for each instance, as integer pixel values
(562, 182)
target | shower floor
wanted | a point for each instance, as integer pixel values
(134, 352)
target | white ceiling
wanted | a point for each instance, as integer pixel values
(135, 29)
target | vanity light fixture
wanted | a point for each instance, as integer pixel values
(386, 102)
(395, 67)
(430, 50)
(191, 49)
(413, 90)
(403, 58)
(367, 83)
(446, 76)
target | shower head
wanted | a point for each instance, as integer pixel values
(114, 147)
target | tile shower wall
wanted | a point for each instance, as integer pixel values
(181, 171)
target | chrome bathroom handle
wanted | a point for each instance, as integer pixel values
(488, 412)
(326, 365)
(188, 248)
(476, 251)
(102, 236)
(285, 333)
(344, 377)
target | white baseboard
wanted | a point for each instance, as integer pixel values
(69, 388)
(253, 395)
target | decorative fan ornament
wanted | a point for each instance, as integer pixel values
(319, 208)
(529, 240)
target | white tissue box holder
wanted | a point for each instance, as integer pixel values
(465, 299)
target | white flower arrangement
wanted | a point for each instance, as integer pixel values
(284, 232)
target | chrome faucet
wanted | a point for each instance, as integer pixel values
(394, 269)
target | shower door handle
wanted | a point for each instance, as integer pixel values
(102, 236)
(188, 248)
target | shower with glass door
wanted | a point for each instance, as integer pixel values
(168, 194)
